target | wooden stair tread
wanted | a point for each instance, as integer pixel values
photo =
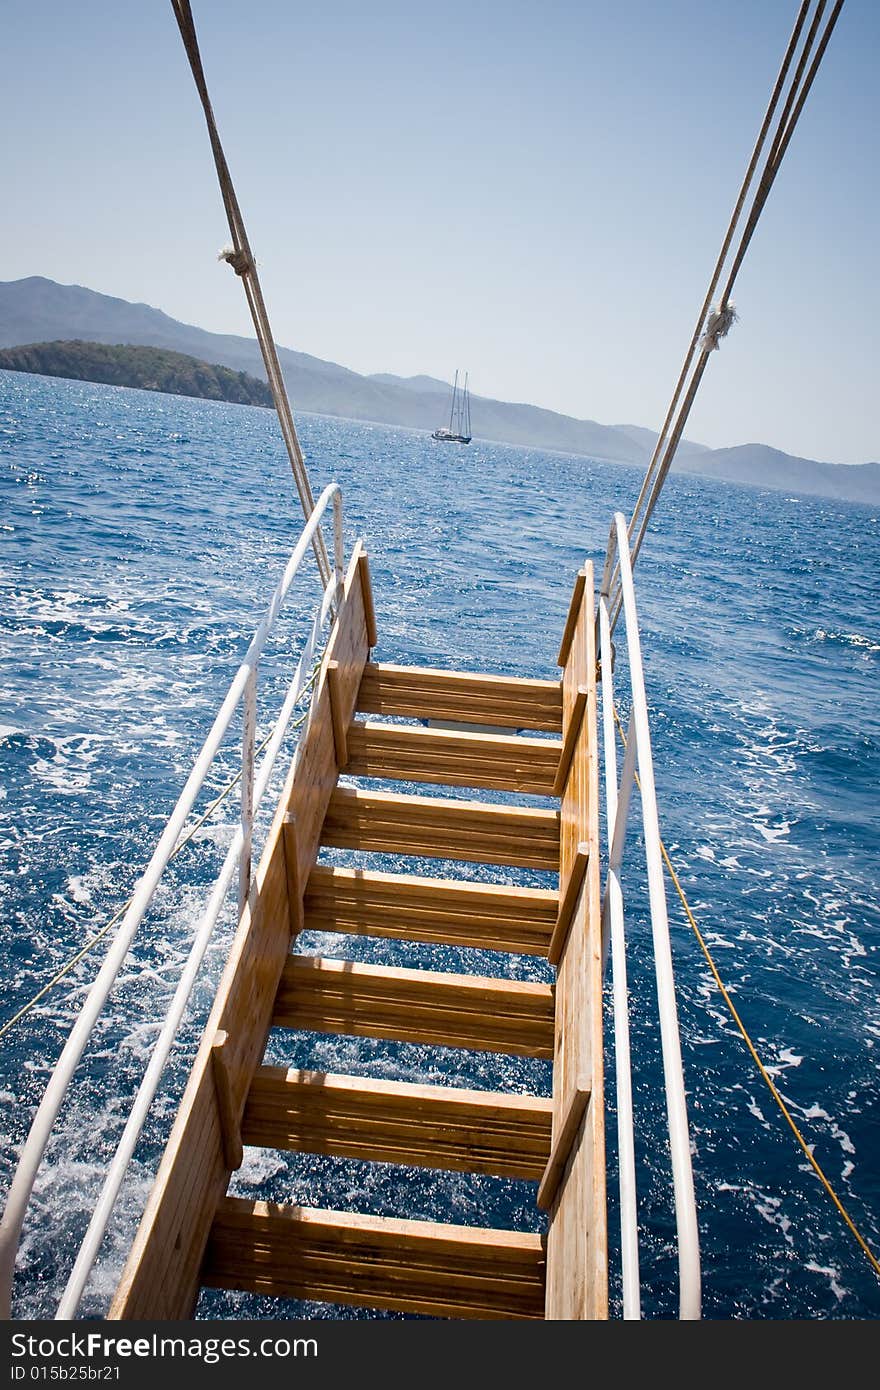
(377, 1001)
(397, 1122)
(406, 906)
(461, 697)
(438, 827)
(381, 1262)
(466, 759)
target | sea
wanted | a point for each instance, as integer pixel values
(142, 536)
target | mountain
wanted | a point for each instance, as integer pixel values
(647, 439)
(39, 310)
(151, 369)
(760, 466)
(413, 383)
(36, 309)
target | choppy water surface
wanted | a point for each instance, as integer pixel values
(141, 538)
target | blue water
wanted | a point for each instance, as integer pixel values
(142, 535)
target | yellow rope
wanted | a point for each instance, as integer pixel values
(66, 969)
(866, 1249)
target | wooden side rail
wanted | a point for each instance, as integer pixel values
(227, 1110)
(573, 1186)
(161, 1277)
(572, 617)
(572, 733)
(569, 902)
(561, 1151)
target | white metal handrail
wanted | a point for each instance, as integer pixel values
(242, 689)
(638, 757)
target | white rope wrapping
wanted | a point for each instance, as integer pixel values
(718, 324)
(237, 259)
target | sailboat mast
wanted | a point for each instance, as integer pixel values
(467, 408)
(454, 394)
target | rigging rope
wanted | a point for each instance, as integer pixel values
(765, 1075)
(713, 323)
(240, 257)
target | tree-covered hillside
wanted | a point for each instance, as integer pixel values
(151, 369)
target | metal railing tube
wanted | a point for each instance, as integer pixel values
(676, 1105)
(629, 1225)
(338, 542)
(47, 1112)
(248, 746)
(617, 833)
(146, 1092)
(147, 1089)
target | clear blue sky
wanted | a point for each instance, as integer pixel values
(536, 192)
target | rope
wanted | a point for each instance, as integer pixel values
(716, 322)
(718, 325)
(120, 912)
(765, 1075)
(239, 256)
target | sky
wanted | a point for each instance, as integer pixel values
(533, 192)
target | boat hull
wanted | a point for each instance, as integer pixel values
(446, 437)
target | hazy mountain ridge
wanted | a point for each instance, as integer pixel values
(40, 310)
(37, 309)
(756, 464)
(647, 439)
(413, 383)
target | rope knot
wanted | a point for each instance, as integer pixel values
(718, 324)
(237, 259)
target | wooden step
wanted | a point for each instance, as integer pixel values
(406, 754)
(376, 1262)
(433, 827)
(395, 1122)
(376, 1001)
(492, 917)
(460, 697)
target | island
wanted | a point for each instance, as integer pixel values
(149, 368)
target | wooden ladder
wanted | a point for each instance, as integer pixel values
(193, 1234)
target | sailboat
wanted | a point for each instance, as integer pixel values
(458, 431)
